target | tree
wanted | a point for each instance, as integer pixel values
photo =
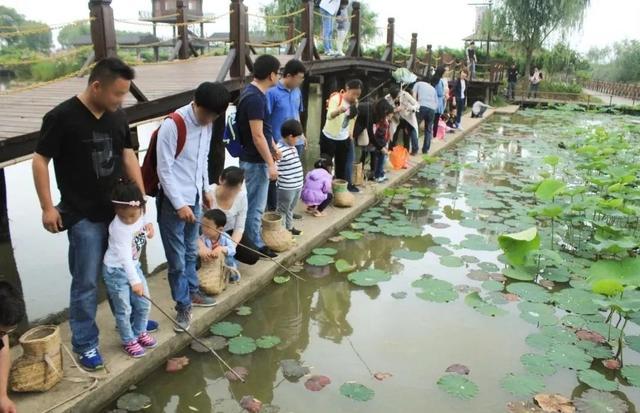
(37, 35)
(281, 7)
(529, 23)
(69, 33)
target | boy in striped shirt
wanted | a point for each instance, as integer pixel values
(290, 174)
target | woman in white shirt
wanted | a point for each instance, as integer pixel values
(230, 197)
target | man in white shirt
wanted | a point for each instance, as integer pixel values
(184, 182)
(427, 97)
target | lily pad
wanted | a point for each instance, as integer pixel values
(325, 251)
(478, 275)
(569, 356)
(517, 246)
(597, 380)
(293, 369)
(226, 329)
(633, 342)
(488, 266)
(474, 300)
(492, 285)
(522, 385)
(368, 278)
(458, 386)
(539, 341)
(440, 250)
(351, 235)
(451, 261)
(407, 255)
(632, 374)
(399, 295)
(576, 301)
(549, 188)
(626, 271)
(242, 345)
(281, 279)
(530, 292)
(537, 313)
(243, 310)
(317, 382)
(519, 273)
(266, 342)
(357, 391)
(133, 402)
(214, 342)
(435, 290)
(537, 364)
(343, 266)
(319, 260)
(596, 401)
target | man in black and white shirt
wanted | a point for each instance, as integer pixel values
(290, 173)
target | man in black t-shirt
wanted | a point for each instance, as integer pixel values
(258, 149)
(89, 141)
(12, 311)
(512, 81)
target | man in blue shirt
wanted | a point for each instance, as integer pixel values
(284, 102)
(259, 152)
(184, 182)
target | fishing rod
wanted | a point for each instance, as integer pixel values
(252, 250)
(196, 339)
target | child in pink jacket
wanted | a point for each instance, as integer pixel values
(316, 192)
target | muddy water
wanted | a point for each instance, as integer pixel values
(348, 333)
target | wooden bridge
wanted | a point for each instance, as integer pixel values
(162, 87)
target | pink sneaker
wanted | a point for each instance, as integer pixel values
(147, 341)
(133, 349)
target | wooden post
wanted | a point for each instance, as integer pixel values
(355, 45)
(413, 51)
(4, 214)
(291, 32)
(238, 38)
(182, 31)
(429, 58)
(103, 31)
(156, 49)
(308, 46)
(388, 51)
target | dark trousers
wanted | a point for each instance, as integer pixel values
(436, 120)
(272, 197)
(460, 103)
(326, 202)
(338, 151)
(243, 254)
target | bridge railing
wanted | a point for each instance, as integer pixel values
(625, 90)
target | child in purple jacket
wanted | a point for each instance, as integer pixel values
(316, 192)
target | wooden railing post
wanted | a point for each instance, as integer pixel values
(429, 58)
(355, 45)
(413, 51)
(308, 44)
(103, 32)
(183, 53)
(238, 39)
(291, 32)
(388, 55)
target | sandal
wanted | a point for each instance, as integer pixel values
(318, 214)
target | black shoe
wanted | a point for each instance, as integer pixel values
(352, 188)
(297, 216)
(295, 231)
(268, 252)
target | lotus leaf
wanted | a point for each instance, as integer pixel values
(549, 189)
(343, 266)
(293, 369)
(474, 300)
(458, 386)
(266, 342)
(537, 364)
(242, 345)
(517, 246)
(319, 260)
(281, 279)
(596, 401)
(632, 374)
(569, 356)
(325, 251)
(435, 290)
(368, 278)
(226, 329)
(407, 255)
(357, 391)
(351, 235)
(597, 380)
(522, 385)
(451, 261)
(530, 292)
(133, 402)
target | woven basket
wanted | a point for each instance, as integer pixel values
(213, 277)
(358, 174)
(341, 196)
(274, 234)
(40, 366)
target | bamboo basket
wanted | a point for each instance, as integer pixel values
(358, 174)
(40, 366)
(274, 234)
(213, 277)
(341, 196)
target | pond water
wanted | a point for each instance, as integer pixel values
(434, 244)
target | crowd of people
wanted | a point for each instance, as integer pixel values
(104, 191)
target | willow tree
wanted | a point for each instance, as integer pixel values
(529, 23)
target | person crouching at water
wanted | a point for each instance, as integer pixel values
(316, 192)
(215, 244)
(122, 272)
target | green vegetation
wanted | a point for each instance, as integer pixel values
(619, 62)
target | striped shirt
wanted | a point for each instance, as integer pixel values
(290, 174)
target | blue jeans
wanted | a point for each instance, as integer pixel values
(131, 310)
(327, 30)
(351, 158)
(180, 242)
(87, 245)
(257, 182)
(427, 115)
(380, 161)
(300, 149)
(460, 104)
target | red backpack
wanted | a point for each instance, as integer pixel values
(150, 163)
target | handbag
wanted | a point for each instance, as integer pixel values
(363, 138)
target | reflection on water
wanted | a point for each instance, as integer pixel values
(341, 330)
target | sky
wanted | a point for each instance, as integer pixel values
(606, 21)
